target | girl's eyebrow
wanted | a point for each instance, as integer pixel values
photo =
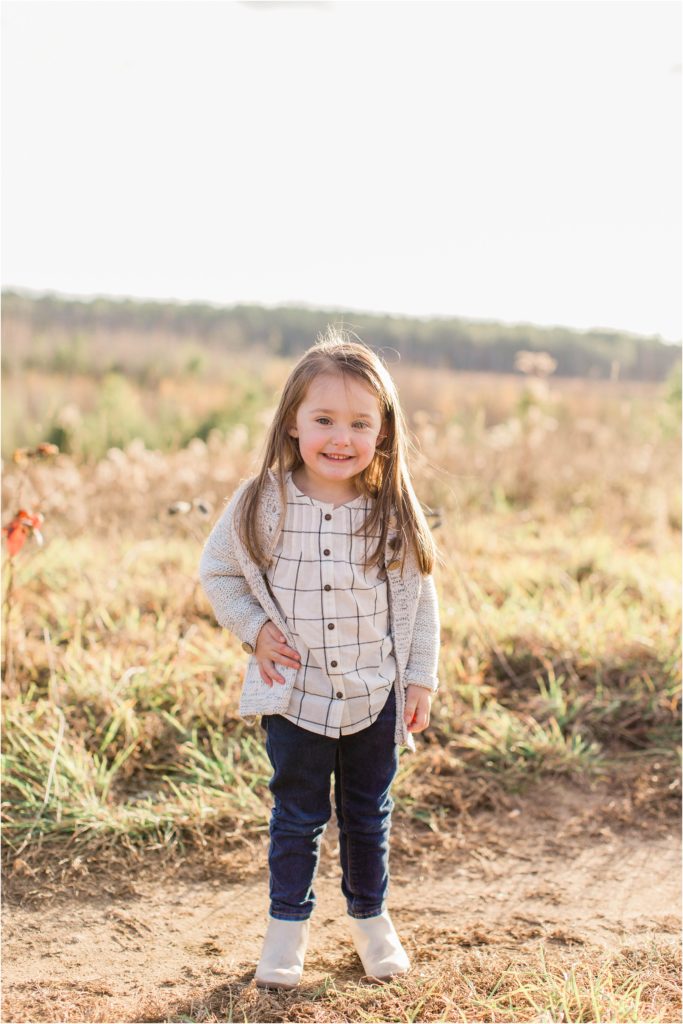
(331, 412)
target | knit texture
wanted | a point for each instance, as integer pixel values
(239, 596)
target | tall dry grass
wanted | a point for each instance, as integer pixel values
(558, 511)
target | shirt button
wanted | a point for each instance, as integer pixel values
(327, 587)
(333, 664)
(326, 551)
(330, 625)
(328, 516)
(339, 693)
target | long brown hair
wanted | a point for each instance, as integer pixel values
(386, 479)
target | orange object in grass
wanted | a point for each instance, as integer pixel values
(21, 527)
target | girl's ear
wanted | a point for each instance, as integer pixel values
(292, 431)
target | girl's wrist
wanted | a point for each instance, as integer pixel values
(431, 687)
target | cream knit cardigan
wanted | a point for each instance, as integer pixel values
(239, 594)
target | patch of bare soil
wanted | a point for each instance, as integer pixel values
(548, 868)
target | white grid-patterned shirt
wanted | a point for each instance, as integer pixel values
(338, 613)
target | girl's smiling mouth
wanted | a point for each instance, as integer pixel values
(336, 458)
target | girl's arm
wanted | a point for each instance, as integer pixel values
(423, 660)
(234, 605)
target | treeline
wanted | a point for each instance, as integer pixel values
(286, 331)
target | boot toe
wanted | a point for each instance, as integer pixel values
(278, 983)
(385, 970)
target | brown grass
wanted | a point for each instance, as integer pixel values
(557, 511)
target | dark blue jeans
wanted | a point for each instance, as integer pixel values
(364, 765)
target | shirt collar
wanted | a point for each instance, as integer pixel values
(299, 498)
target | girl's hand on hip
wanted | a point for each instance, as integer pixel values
(271, 647)
(418, 706)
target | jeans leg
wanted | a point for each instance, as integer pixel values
(302, 764)
(365, 767)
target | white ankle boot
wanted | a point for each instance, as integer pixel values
(282, 956)
(378, 946)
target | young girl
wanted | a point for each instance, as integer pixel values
(321, 565)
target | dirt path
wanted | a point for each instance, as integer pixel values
(547, 869)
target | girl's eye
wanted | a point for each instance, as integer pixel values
(324, 420)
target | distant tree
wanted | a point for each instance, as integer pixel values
(289, 330)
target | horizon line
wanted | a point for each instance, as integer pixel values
(31, 292)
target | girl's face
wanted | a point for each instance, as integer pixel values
(338, 425)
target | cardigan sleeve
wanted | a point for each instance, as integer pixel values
(234, 605)
(423, 660)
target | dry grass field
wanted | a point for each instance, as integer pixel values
(536, 842)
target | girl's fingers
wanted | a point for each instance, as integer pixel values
(409, 713)
(272, 671)
(289, 652)
(420, 722)
(416, 718)
(266, 670)
(287, 660)
(269, 674)
(280, 647)
(275, 633)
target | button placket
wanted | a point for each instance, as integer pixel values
(329, 603)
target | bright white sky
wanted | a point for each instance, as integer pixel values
(513, 161)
